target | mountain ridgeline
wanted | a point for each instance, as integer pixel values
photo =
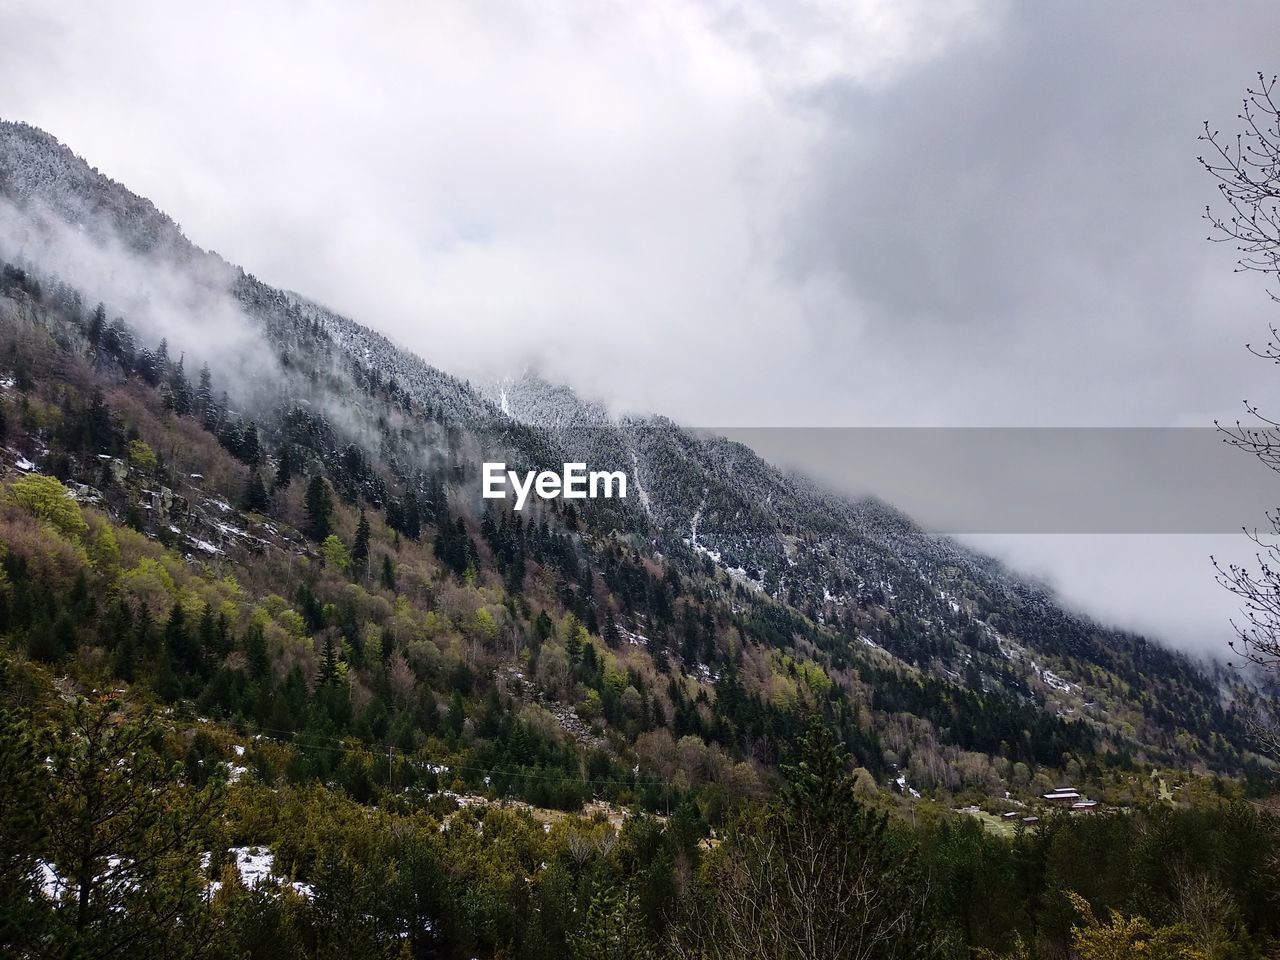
(227, 432)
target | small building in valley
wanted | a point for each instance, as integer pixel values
(1063, 796)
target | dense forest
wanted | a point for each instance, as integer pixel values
(126, 830)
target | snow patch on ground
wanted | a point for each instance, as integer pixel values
(905, 787)
(256, 867)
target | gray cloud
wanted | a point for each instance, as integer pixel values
(1027, 211)
(930, 212)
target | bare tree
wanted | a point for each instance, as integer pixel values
(1247, 170)
(814, 876)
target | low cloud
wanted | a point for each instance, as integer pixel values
(180, 302)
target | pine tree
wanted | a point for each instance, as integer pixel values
(255, 494)
(360, 548)
(99, 432)
(207, 634)
(180, 644)
(457, 715)
(119, 343)
(97, 325)
(180, 390)
(284, 469)
(148, 367)
(216, 415)
(573, 637)
(24, 790)
(126, 837)
(388, 572)
(439, 502)
(255, 648)
(412, 517)
(329, 661)
(319, 504)
(543, 626)
(250, 447)
(203, 400)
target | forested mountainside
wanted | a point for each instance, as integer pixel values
(717, 568)
(228, 504)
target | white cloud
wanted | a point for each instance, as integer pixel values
(600, 191)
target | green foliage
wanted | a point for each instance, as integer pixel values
(613, 928)
(24, 788)
(818, 874)
(1130, 938)
(124, 838)
(335, 553)
(142, 456)
(48, 500)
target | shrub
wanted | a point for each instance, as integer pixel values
(48, 500)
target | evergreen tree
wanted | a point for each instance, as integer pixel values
(319, 504)
(439, 505)
(97, 325)
(412, 517)
(457, 715)
(179, 642)
(255, 497)
(99, 431)
(388, 572)
(203, 399)
(329, 660)
(285, 468)
(180, 390)
(207, 635)
(255, 645)
(360, 548)
(231, 436)
(24, 791)
(148, 367)
(250, 447)
(125, 838)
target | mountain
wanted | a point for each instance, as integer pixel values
(205, 420)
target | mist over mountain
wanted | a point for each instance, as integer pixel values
(862, 574)
(254, 605)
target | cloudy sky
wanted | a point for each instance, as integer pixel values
(875, 212)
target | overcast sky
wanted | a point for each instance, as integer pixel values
(899, 212)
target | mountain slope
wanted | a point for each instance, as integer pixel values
(723, 601)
